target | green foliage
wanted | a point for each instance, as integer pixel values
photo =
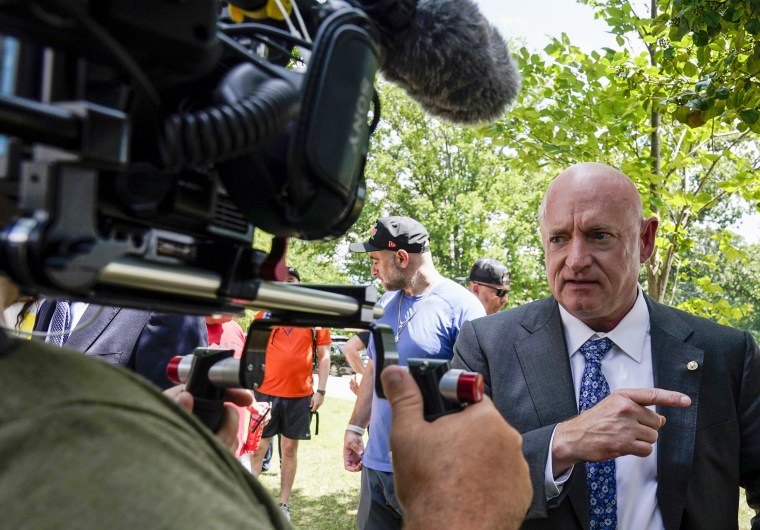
(316, 261)
(709, 51)
(463, 186)
(458, 184)
(651, 109)
(729, 289)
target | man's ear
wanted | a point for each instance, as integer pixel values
(402, 257)
(648, 237)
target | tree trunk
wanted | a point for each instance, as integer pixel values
(657, 274)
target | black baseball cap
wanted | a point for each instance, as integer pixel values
(489, 270)
(293, 272)
(395, 233)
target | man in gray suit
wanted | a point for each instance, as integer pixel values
(142, 341)
(679, 429)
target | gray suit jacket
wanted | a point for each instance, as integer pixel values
(140, 340)
(705, 452)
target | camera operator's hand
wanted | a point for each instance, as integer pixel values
(227, 432)
(461, 470)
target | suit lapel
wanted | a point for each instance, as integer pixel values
(545, 364)
(671, 356)
(88, 330)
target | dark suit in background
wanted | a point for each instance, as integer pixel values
(142, 341)
(705, 451)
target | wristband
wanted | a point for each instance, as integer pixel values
(323, 392)
(355, 428)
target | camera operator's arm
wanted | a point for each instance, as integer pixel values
(353, 443)
(459, 470)
(323, 369)
(228, 430)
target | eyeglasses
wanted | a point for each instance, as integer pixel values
(500, 291)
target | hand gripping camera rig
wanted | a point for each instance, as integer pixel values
(146, 139)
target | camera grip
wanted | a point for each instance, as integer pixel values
(209, 411)
(444, 390)
(208, 403)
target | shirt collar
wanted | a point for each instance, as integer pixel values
(629, 335)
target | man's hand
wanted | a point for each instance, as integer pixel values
(463, 470)
(353, 450)
(618, 425)
(316, 401)
(354, 383)
(227, 432)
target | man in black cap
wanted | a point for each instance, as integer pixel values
(425, 312)
(489, 281)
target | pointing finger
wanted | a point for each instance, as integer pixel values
(655, 396)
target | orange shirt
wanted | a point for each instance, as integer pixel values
(289, 357)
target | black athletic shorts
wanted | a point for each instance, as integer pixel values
(290, 417)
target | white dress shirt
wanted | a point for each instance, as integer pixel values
(77, 310)
(628, 364)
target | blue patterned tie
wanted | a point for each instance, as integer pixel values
(60, 324)
(600, 476)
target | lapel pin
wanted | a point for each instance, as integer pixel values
(692, 365)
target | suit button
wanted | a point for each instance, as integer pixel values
(692, 365)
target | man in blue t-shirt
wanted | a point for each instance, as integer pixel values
(425, 312)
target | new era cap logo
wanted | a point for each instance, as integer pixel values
(391, 244)
(374, 229)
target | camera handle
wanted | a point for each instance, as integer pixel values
(443, 389)
(208, 398)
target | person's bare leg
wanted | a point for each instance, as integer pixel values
(288, 469)
(258, 457)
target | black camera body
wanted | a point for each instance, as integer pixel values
(147, 141)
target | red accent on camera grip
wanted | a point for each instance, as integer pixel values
(470, 387)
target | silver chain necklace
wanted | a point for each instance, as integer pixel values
(402, 325)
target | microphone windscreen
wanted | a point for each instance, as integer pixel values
(453, 62)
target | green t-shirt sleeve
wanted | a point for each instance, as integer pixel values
(87, 445)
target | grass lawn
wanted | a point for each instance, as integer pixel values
(325, 496)
(745, 514)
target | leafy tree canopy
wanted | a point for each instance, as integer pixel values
(622, 107)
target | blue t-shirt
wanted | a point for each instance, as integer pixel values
(431, 332)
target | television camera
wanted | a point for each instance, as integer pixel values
(147, 139)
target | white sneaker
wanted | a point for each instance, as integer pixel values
(285, 511)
